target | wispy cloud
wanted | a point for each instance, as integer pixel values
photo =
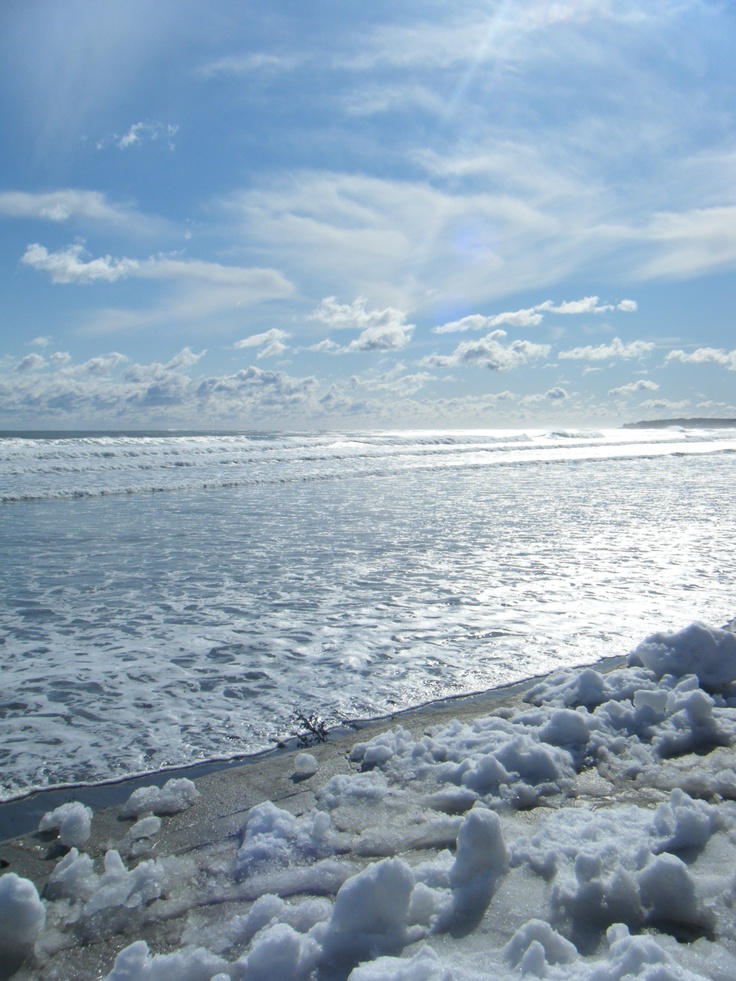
(533, 316)
(604, 352)
(689, 243)
(249, 63)
(138, 133)
(68, 204)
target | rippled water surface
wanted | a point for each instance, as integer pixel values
(343, 575)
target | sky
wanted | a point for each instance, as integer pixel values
(389, 215)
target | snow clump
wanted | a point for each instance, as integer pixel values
(73, 821)
(176, 795)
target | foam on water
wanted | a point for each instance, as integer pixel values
(348, 574)
(42, 467)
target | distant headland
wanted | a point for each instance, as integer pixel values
(687, 423)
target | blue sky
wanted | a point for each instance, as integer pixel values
(278, 214)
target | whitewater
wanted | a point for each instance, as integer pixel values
(173, 598)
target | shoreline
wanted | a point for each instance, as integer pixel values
(20, 817)
(580, 818)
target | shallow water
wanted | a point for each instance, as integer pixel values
(346, 575)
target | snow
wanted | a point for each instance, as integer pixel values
(585, 833)
(176, 795)
(305, 765)
(22, 914)
(73, 821)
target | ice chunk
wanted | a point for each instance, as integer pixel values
(554, 948)
(668, 892)
(480, 862)
(22, 916)
(710, 654)
(305, 765)
(176, 795)
(280, 953)
(135, 963)
(73, 878)
(273, 835)
(73, 821)
(423, 966)
(684, 823)
(370, 915)
(145, 827)
(566, 728)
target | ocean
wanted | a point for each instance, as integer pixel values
(173, 598)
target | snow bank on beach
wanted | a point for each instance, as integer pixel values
(587, 833)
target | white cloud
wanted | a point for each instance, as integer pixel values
(31, 362)
(380, 330)
(60, 206)
(139, 132)
(103, 364)
(185, 359)
(664, 405)
(689, 243)
(602, 352)
(516, 318)
(383, 337)
(271, 342)
(69, 266)
(325, 347)
(353, 316)
(40, 342)
(532, 316)
(588, 304)
(248, 64)
(395, 239)
(642, 385)
(705, 355)
(489, 352)
(200, 288)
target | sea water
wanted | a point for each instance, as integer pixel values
(172, 598)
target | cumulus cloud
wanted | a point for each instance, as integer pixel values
(185, 359)
(325, 347)
(70, 265)
(380, 330)
(31, 362)
(642, 385)
(705, 355)
(489, 352)
(664, 405)
(271, 342)
(103, 364)
(602, 352)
